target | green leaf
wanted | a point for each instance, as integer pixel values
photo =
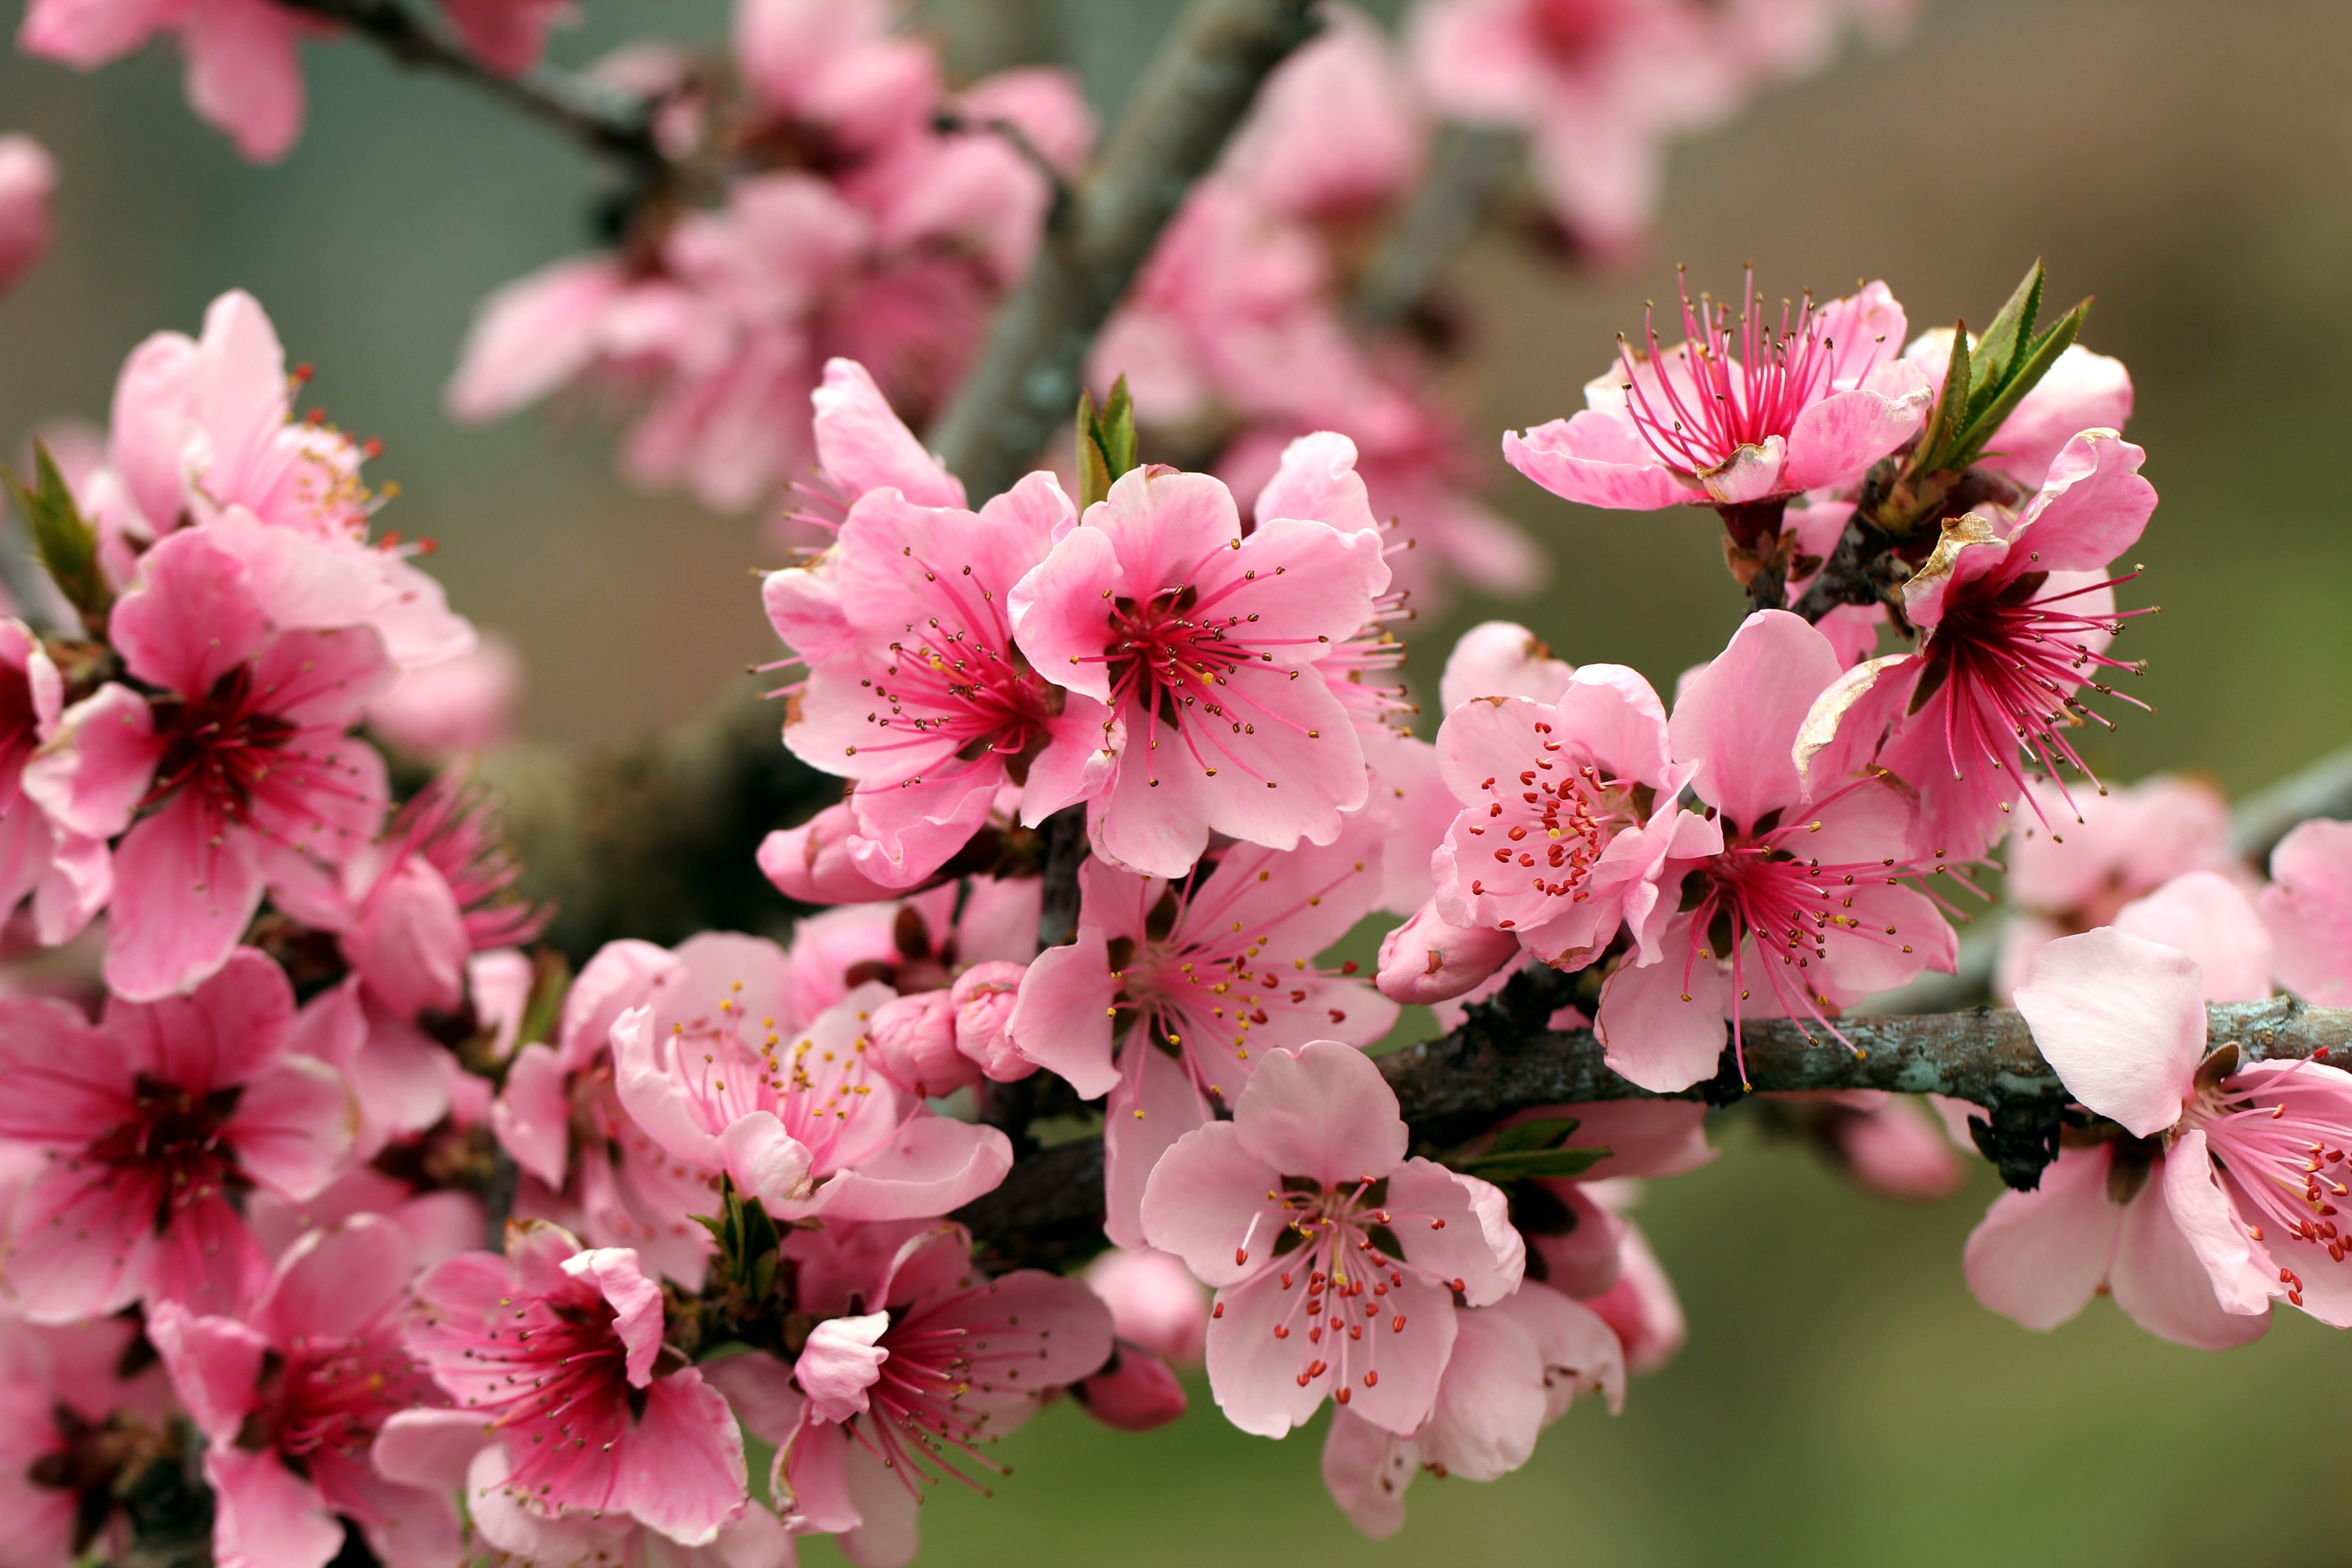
(2035, 363)
(550, 981)
(1944, 424)
(1997, 349)
(1544, 1133)
(1106, 442)
(63, 541)
(1532, 1162)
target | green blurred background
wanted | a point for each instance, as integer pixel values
(1844, 1399)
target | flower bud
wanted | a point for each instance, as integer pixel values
(1154, 1301)
(810, 862)
(1425, 959)
(1134, 1391)
(27, 177)
(409, 943)
(915, 1043)
(1501, 658)
(983, 997)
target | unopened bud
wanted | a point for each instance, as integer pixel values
(915, 1044)
(1426, 959)
(1134, 1391)
(983, 997)
(810, 862)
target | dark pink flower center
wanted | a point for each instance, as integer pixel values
(1725, 387)
(1569, 29)
(565, 1368)
(1547, 828)
(923, 1417)
(219, 746)
(333, 1396)
(2011, 665)
(169, 1151)
(2279, 1140)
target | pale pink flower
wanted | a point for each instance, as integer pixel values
(1736, 414)
(2208, 917)
(834, 72)
(28, 178)
(204, 431)
(1157, 607)
(1429, 960)
(2080, 391)
(1337, 1261)
(244, 76)
(1502, 659)
(240, 774)
(1790, 898)
(932, 709)
(445, 711)
(1517, 1366)
(2017, 611)
(1566, 814)
(150, 1120)
(2122, 845)
(1338, 131)
(1134, 1391)
(918, 1361)
(1171, 994)
(290, 1397)
(555, 1347)
(1154, 1301)
(1642, 1308)
(2309, 906)
(68, 875)
(800, 1119)
(508, 36)
(2215, 1195)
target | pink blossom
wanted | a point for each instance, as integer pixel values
(205, 432)
(1516, 1368)
(2017, 612)
(1429, 960)
(931, 707)
(1134, 1391)
(2309, 906)
(812, 864)
(555, 1347)
(241, 775)
(1577, 1240)
(806, 1125)
(1890, 1145)
(445, 711)
(1154, 1301)
(1157, 607)
(508, 36)
(1792, 901)
(1501, 658)
(290, 1398)
(2209, 1201)
(1731, 418)
(243, 74)
(436, 1223)
(918, 1359)
(1384, 1246)
(1581, 792)
(150, 1120)
(2209, 918)
(68, 875)
(1171, 994)
(28, 178)
(835, 69)
(2080, 391)
(1337, 129)
(1642, 1308)
(59, 1388)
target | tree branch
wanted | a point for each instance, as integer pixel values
(607, 123)
(1193, 95)
(1464, 1082)
(1463, 172)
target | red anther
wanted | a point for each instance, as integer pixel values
(1315, 1335)
(1437, 1224)
(1355, 1330)
(1282, 1330)
(1458, 1285)
(2294, 1298)
(1397, 1280)
(1302, 1380)
(1397, 1327)
(1315, 1369)
(428, 547)
(1218, 1310)
(1380, 1290)
(1342, 1395)
(1337, 1321)
(2285, 1275)
(316, 417)
(1349, 967)
(1285, 1281)
(372, 449)
(1372, 1380)
(304, 371)
(1241, 1255)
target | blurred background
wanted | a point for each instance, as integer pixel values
(1843, 1399)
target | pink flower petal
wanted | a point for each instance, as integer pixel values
(2123, 1021)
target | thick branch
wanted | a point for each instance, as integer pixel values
(1454, 1086)
(1193, 95)
(1464, 173)
(605, 122)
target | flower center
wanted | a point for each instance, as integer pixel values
(336, 1394)
(172, 1144)
(2279, 1142)
(2013, 665)
(218, 746)
(1725, 386)
(1553, 820)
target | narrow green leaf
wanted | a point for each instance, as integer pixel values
(1106, 442)
(1094, 469)
(63, 541)
(1545, 1132)
(1944, 424)
(2035, 364)
(1533, 1162)
(550, 982)
(1998, 349)
(713, 1223)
